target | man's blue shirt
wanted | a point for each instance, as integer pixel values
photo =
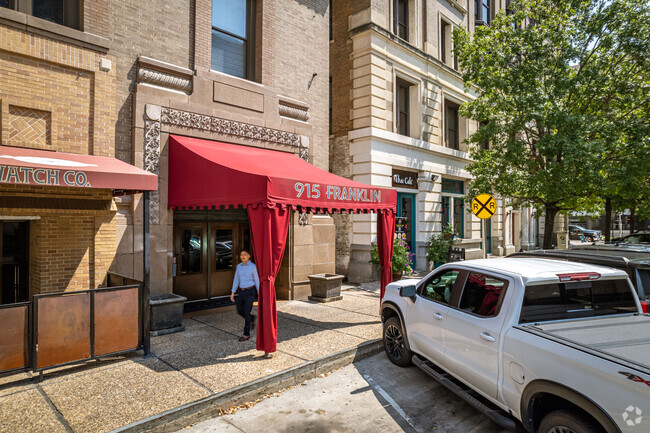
(246, 276)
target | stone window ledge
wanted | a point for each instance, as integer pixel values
(52, 30)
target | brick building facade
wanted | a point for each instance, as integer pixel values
(170, 82)
(396, 90)
(57, 93)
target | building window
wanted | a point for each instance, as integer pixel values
(451, 125)
(402, 107)
(232, 45)
(453, 205)
(444, 40)
(64, 12)
(482, 12)
(401, 19)
(484, 144)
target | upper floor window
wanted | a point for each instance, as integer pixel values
(232, 28)
(482, 12)
(401, 18)
(64, 12)
(402, 106)
(451, 125)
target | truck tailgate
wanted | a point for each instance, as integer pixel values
(623, 339)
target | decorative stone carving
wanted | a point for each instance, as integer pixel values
(294, 112)
(303, 219)
(152, 162)
(164, 79)
(304, 153)
(228, 127)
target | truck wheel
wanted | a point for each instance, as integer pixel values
(394, 343)
(562, 421)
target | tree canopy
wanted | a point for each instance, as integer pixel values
(562, 93)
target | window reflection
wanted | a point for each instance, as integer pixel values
(191, 251)
(223, 249)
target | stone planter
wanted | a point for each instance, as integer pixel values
(167, 314)
(325, 287)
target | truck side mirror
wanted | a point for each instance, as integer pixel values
(407, 291)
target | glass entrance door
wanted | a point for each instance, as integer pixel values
(190, 254)
(224, 256)
(406, 210)
(14, 272)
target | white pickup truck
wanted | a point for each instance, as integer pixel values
(539, 345)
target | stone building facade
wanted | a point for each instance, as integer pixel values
(58, 94)
(181, 72)
(396, 90)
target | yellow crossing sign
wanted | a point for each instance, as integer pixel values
(484, 206)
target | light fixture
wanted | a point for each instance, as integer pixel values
(434, 177)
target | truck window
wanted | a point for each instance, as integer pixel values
(644, 277)
(482, 295)
(572, 300)
(438, 288)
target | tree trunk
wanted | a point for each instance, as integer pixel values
(549, 223)
(632, 213)
(608, 218)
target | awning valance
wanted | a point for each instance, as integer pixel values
(207, 174)
(21, 166)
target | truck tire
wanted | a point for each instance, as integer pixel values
(562, 421)
(395, 344)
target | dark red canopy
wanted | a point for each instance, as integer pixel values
(23, 166)
(207, 174)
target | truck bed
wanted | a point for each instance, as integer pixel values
(622, 339)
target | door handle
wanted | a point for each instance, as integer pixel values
(438, 316)
(487, 337)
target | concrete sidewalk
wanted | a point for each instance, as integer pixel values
(191, 368)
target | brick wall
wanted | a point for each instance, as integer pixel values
(161, 30)
(69, 249)
(54, 96)
(94, 17)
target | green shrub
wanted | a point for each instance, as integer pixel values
(439, 245)
(402, 256)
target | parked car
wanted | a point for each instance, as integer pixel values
(581, 233)
(640, 237)
(545, 345)
(633, 259)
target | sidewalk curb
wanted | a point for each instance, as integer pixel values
(208, 407)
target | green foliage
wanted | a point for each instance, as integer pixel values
(402, 256)
(564, 87)
(439, 245)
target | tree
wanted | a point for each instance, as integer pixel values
(559, 87)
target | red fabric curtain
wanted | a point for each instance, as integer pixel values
(385, 235)
(269, 228)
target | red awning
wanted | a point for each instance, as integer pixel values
(20, 166)
(206, 174)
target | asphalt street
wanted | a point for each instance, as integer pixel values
(369, 396)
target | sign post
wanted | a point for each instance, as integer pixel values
(484, 206)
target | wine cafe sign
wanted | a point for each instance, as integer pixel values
(405, 179)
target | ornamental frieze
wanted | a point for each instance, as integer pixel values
(202, 122)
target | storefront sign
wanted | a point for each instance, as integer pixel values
(43, 176)
(405, 179)
(310, 190)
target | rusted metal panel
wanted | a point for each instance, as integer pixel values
(116, 321)
(63, 329)
(14, 337)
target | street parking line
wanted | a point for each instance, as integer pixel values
(390, 401)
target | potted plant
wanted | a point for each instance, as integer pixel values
(402, 258)
(439, 245)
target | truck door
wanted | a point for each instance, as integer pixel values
(473, 332)
(426, 320)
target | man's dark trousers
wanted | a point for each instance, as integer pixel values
(244, 302)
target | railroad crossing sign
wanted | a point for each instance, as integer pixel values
(484, 206)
